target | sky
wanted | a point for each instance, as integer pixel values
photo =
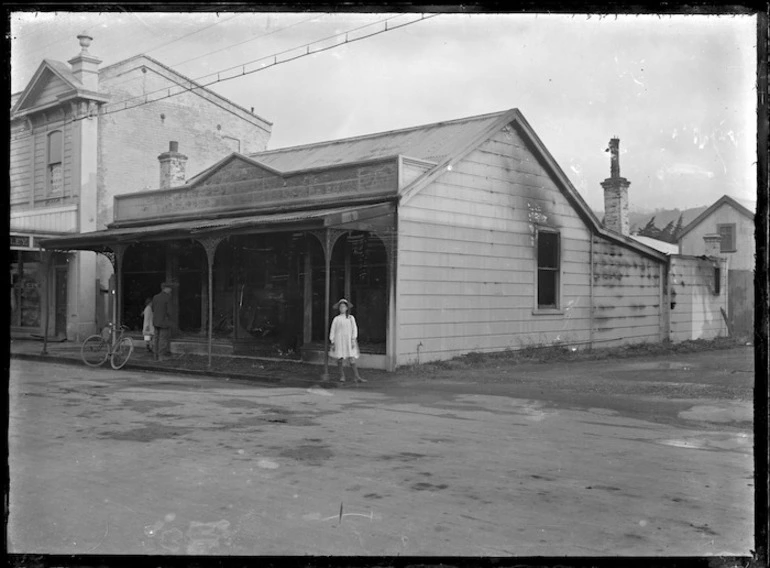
(679, 91)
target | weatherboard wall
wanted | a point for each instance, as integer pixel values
(628, 295)
(743, 257)
(697, 301)
(467, 261)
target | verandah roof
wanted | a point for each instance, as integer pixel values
(295, 220)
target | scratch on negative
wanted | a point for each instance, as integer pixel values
(106, 532)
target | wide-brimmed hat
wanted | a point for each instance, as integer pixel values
(168, 285)
(337, 305)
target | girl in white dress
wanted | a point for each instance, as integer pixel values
(344, 340)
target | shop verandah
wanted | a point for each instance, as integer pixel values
(263, 285)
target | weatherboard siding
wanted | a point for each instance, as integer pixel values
(20, 171)
(627, 296)
(466, 258)
(743, 257)
(50, 91)
(697, 312)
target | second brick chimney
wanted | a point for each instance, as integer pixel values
(713, 244)
(85, 66)
(172, 167)
(616, 193)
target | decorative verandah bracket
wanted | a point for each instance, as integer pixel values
(210, 245)
(328, 238)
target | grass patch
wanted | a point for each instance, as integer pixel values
(562, 353)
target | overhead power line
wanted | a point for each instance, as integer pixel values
(247, 41)
(156, 48)
(265, 63)
(134, 79)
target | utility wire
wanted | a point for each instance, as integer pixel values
(191, 33)
(275, 61)
(173, 65)
(245, 41)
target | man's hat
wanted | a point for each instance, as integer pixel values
(168, 285)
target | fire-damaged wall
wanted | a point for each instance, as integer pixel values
(628, 295)
(698, 298)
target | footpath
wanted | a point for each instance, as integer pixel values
(268, 371)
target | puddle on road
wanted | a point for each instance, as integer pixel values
(310, 454)
(148, 433)
(714, 443)
(145, 406)
(719, 413)
(660, 365)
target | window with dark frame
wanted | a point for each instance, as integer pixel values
(547, 270)
(54, 163)
(727, 232)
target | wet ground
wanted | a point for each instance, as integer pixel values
(635, 457)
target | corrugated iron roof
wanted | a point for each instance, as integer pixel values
(662, 246)
(432, 142)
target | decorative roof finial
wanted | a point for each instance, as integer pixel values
(85, 41)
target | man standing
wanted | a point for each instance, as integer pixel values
(162, 320)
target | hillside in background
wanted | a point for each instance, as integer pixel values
(638, 220)
(663, 217)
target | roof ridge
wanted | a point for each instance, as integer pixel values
(186, 78)
(376, 134)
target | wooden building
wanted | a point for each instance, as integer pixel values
(448, 238)
(733, 227)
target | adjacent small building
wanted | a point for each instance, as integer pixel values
(449, 238)
(731, 226)
(82, 134)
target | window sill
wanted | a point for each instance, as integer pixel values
(547, 312)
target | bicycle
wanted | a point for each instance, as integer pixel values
(97, 348)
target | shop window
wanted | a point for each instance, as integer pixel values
(54, 163)
(548, 264)
(26, 288)
(727, 232)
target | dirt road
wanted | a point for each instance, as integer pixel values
(637, 457)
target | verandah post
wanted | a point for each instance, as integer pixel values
(210, 245)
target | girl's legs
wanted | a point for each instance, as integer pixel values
(358, 378)
(342, 372)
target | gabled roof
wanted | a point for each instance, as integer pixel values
(443, 143)
(58, 69)
(211, 170)
(432, 142)
(724, 200)
(176, 76)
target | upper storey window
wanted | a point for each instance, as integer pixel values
(55, 179)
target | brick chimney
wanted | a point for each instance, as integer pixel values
(713, 245)
(616, 193)
(172, 167)
(85, 66)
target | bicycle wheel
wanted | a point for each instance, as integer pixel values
(122, 352)
(94, 351)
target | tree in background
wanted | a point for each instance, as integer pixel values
(650, 230)
(678, 228)
(667, 234)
